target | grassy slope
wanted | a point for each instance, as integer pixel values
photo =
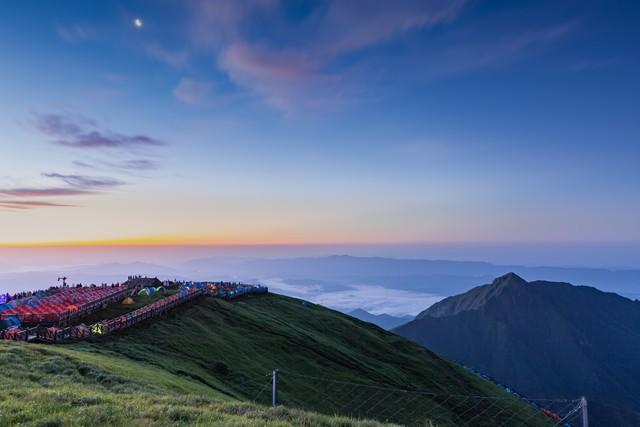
(182, 368)
(59, 386)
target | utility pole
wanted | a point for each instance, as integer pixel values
(585, 414)
(274, 390)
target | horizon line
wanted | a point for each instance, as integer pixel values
(162, 242)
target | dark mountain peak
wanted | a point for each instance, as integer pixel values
(478, 297)
(543, 338)
(509, 279)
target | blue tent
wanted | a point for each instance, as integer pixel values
(9, 323)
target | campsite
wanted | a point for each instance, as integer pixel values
(73, 313)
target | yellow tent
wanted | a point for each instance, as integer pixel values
(128, 301)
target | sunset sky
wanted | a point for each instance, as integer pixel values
(344, 121)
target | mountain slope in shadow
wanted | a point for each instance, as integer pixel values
(544, 339)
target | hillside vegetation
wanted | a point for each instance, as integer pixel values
(54, 386)
(209, 362)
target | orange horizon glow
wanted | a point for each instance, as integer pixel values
(160, 241)
(142, 241)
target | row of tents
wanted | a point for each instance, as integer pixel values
(150, 290)
(62, 305)
(11, 328)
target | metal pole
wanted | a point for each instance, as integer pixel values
(585, 414)
(274, 390)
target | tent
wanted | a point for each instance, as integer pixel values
(144, 291)
(98, 329)
(9, 323)
(128, 301)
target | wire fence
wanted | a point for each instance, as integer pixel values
(256, 388)
(414, 407)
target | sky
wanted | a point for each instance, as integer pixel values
(326, 122)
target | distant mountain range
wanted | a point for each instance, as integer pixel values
(438, 277)
(385, 321)
(342, 282)
(544, 339)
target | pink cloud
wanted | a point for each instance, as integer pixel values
(288, 77)
(280, 79)
(43, 192)
(313, 61)
(30, 204)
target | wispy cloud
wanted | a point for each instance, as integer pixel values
(193, 92)
(44, 192)
(86, 182)
(173, 57)
(77, 185)
(30, 204)
(139, 165)
(20, 198)
(297, 74)
(130, 165)
(82, 133)
(284, 80)
(316, 58)
(75, 32)
(121, 157)
(353, 25)
(464, 55)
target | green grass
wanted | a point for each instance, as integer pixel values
(209, 361)
(56, 386)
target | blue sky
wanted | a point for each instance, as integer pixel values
(319, 122)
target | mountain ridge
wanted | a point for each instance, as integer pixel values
(385, 321)
(547, 338)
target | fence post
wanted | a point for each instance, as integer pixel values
(274, 389)
(585, 414)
